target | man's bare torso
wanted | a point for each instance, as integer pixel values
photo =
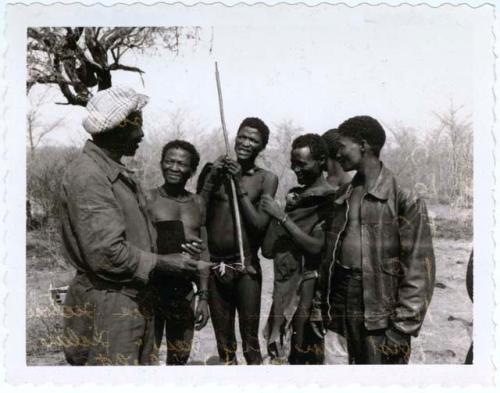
(350, 253)
(221, 227)
(188, 209)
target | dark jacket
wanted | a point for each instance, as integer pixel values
(397, 255)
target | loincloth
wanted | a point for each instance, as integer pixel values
(229, 268)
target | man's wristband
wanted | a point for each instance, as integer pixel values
(202, 294)
(283, 220)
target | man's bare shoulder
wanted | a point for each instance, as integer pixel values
(267, 175)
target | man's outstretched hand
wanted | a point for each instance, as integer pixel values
(182, 264)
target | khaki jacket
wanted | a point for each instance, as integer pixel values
(107, 235)
(398, 263)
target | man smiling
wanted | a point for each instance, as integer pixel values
(294, 240)
(234, 287)
(168, 205)
(108, 238)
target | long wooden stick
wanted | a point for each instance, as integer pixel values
(239, 233)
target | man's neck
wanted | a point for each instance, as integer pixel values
(320, 181)
(174, 190)
(114, 155)
(369, 171)
(247, 164)
(336, 175)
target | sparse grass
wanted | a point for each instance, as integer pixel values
(451, 222)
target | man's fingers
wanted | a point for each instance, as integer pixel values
(192, 265)
(202, 321)
(192, 248)
(318, 329)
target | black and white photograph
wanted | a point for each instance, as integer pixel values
(251, 186)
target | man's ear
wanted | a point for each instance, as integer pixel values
(322, 162)
(364, 145)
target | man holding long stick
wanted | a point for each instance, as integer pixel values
(234, 286)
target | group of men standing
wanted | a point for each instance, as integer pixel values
(353, 256)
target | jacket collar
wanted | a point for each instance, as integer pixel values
(111, 168)
(381, 189)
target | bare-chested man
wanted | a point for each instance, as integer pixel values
(232, 287)
(378, 278)
(169, 205)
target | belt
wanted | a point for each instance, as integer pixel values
(100, 284)
(355, 273)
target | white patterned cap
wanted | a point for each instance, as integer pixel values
(108, 108)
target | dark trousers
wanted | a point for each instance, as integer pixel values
(104, 327)
(363, 346)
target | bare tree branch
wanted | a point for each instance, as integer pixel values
(80, 60)
(123, 67)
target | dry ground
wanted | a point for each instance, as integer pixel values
(445, 335)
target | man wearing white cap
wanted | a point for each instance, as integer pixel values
(109, 239)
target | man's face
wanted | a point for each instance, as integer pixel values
(305, 167)
(130, 134)
(176, 166)
(349, 154)
(248, 144)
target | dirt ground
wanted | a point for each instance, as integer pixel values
(444, 338)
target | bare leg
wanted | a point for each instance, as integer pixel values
(248, 298)
(179, 331)
(222, 311)
(305, 349)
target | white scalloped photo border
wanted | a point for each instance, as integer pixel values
(19, 15)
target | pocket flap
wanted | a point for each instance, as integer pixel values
(392, 266)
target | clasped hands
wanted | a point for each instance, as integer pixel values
(225, 164)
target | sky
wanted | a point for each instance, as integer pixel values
(400, 65)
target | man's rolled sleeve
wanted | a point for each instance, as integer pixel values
(147, 263)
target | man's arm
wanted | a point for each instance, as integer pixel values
(309, 243)
(209, 178)
(418, 265)
(99, 226)
(255, 216)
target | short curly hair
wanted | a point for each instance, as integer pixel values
(331, 137)
(314, 142)
(259, 125)
(184, 145)
(366, 128)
